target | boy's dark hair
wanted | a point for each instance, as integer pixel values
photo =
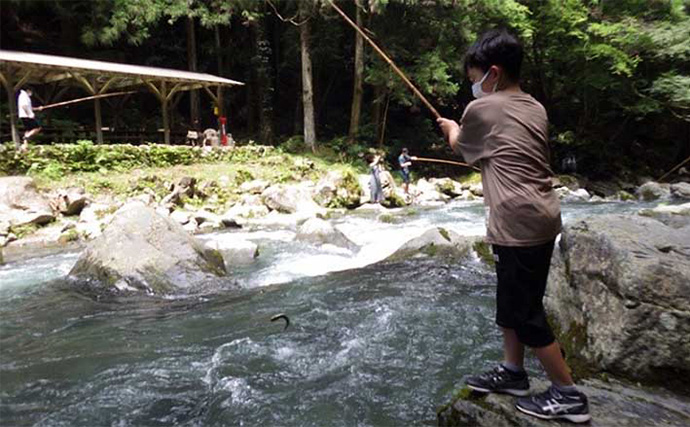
(404, 150)
(496, 47)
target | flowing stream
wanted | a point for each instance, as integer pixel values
(369, 344)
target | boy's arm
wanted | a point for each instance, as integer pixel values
(466, 139)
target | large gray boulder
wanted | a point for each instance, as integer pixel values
(290, 199)
(676, 216)
(611, 403)
(21, 204)
(619, 295)
(436, 242)
(235, 251)
(321, 232)
(652, 191)
(447, 186)
(141, 250)
(681, 190)
(338, 189)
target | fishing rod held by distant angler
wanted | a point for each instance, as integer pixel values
(388, 60)
(450, 162)
(674, 169)
(74, 101)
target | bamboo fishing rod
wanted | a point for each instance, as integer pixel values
(74, 101)
(672, 170)
(388, 60)
(450, 162)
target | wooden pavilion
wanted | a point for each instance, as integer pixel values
(99, 77)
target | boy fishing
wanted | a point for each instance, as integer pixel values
(505, 131)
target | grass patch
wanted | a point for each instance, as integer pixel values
(141, 169)
(22, 231)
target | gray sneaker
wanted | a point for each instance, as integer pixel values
(553, 405)
(500, 380)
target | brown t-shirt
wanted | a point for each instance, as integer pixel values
(507, 134)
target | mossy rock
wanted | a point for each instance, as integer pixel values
(624, 196)
(484, 252)
(71, 235)
(386, 218)
(572, 342)
(394, 201)
(472, 178)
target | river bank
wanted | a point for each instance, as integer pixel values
(252, 186)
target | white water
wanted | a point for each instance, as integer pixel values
(284, 260)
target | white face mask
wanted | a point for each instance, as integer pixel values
(477, 90)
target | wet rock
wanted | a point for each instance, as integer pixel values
(141, 250)
(256, 186)
(568, 181)
(338, 189)
(191, 227)
(322, 232)
(71, 201)
(652, 191)
(235, 252)
(603, 188)
(619, 294)
(290, 199)
(21, 204)
(675, 216)
(427, 192)
(93, 219)
(612, 403)
(250, 206)
(447, 186)
(681, 190)
(623, 196)
(435, 242)
(477, 189)
(185, 187)
(181, 217)
(580, 195)
(466, 195)
(204, 217)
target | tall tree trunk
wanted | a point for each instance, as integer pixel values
(356, 108)
(307, 89)
(261, 63)
(191, 62)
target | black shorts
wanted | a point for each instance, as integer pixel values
(522, 274)
(29, 124)
(405, 176)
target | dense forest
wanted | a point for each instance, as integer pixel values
(614, 75)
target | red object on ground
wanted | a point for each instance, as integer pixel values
(223, 133)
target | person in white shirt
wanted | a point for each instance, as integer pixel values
(27, 116)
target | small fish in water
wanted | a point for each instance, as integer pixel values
(281, 316)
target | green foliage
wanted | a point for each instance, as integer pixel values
(54, 161)
(22, 231)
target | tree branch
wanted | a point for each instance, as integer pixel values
(292, 20)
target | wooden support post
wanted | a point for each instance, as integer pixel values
(99, 124)
(8, 84)
(164, 110)
(97, 112)
(219, 100)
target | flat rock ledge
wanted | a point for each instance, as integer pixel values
(612, 403)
